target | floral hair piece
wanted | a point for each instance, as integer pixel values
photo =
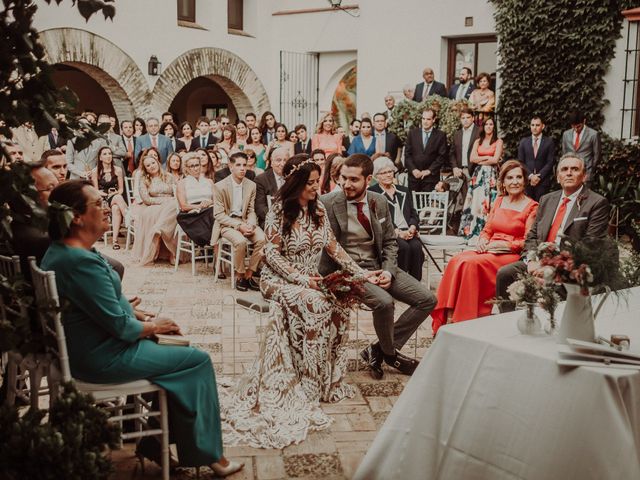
(299, 166)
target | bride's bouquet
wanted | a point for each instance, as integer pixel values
(345, 288)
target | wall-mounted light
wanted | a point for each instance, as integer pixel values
(337, 5)
(155, 66)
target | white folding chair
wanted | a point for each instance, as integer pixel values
(131, 200)
(226, 256)
(46, 294)
(186, 245)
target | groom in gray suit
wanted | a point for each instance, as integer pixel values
(574, 212)
(362, 224)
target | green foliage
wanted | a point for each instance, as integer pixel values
(553, 57)
(408, 114)
(70, 445)
(630, 268)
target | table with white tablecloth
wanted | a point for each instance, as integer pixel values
(487, 402)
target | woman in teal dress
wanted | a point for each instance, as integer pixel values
(107, 344)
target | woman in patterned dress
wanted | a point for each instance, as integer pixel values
(486, 154)
(303, 358)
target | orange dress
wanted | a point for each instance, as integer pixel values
(469, 280)
(327, 142)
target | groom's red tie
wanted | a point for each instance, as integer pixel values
(362, 218)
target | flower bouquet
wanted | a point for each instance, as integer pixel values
(345, 288)
(526, 292)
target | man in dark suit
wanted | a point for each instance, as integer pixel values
(462, 90)
(303, 145)
(153, 138)
(425, 153)
(129, 141)
(459, 154)
(574, 212)
(363, 226)
(386, 142)
(537, 152)
(354, 131)
(428, 87)
(269, 182)
(206, 139)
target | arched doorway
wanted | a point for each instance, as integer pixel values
(91, 94)
(202, 96)
(220, 68)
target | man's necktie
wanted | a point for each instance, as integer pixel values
(362, 218)
(535, 146)
(557, 222)
(203, 142)
(154, 142)
(425, 139)
(131, 163)
(576, 144)
(379, 144)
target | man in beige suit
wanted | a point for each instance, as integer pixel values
(235, 220)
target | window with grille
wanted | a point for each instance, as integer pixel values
(631, 95)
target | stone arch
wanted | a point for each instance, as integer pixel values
(223, 67)
(96, 56)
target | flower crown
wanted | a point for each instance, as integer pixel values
(298, 167)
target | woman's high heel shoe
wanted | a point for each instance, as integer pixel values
(232, 467)
(150, 450)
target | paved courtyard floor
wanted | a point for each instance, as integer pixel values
(205, 313)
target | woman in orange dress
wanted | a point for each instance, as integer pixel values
(326, 137)
(469, 280)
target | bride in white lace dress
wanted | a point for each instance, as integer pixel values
(303, 358)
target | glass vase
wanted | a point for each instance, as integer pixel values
(529, 322)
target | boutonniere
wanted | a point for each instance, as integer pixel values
(579, 200)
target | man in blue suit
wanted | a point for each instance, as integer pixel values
(154, 139)
(537, 152)
(464, 87)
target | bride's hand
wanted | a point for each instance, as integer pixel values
(372, 276)
(313, 282)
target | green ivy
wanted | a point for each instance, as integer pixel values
(553, 57)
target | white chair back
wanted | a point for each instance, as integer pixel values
(46, 293)
(269, 201)
(9, 266)
(432, 210)
(128, 189)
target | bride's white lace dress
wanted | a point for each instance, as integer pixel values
(303, 358)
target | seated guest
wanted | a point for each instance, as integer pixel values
(207, 165)
(236, 221)
(195, 199)
(331, 179)
(404, 216)
(254, 142)
(326, 138)
(281, 140)
(228, 144)
(155, 219)
(575, 212)
(56, 162)
(108, 179)
(303, 144)
(269, 182)
(242, 134)
(107, 344)
(174, 166)
(363, 143)
(224, 172)
(468, 281)
(251, 158)
(187, 138)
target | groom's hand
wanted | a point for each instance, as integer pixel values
(384, 280)
(373, 276)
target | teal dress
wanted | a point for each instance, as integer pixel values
(104, 347)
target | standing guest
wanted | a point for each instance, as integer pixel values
(26, 136)
(251, 162)
(167, 117)
(153, 138)
(326, 137)
(574, 212)
(462, 89)
(236, 221)
(269, 182)
(354, 131)
(242, 134)
(363, 226)
(405, 218)
(331, 178)
(425, 153)
(129, 141)
(429, 87)
(228, 143)
(113, 141)
(174, 166)
(156, 218)
(280, 141)
(250, 119)
(187, 139)
(107, 344)
(255, 144)
(583, 141)
(206, 139)
(319, 157)
(139, 127)
(460, 154)
(51, 141)
(170, 129)
(390, 103)
(82, 162)
(214, 128)
(482, 100)
(56, 162)
(304, 144)
(224, 120)
(268, 127)
(485, 155)
(195, 200)
(364, 142)
(538, 153)
(108, 179)
(469, 279)
(15, 152)
(386, 141)
(408, 91)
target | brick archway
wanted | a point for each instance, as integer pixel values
(223, 67)
(117, 73)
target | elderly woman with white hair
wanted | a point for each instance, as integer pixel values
(405, 217)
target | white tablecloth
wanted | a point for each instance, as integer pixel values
(489, 403)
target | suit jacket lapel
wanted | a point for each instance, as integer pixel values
(375, 223)
(582, 198)
(340, 211)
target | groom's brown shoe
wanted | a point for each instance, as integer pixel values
(372, 356)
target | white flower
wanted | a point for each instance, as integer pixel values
(588, 275)
(548, 274)
(516, 291)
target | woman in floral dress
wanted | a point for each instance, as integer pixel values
(485, 154)
(303, 358)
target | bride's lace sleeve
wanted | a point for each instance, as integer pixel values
(335, 250)
(273, 248)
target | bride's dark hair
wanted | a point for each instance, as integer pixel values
(296, 172)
